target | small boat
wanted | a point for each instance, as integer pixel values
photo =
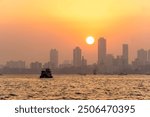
(46, 73)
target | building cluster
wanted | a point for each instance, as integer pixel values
(142, 63)
(106, 63)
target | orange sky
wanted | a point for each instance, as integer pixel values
(30, 28)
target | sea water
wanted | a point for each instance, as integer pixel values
(74, 87)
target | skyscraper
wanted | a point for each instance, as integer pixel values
(84, 61)
(53, 58)
(125, 54)
(77, 54)
(101, 51)
(142, 56)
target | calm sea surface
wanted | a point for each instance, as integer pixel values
(30, 87)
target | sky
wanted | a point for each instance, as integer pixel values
(30, 28)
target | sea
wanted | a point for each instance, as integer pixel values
(75, 87)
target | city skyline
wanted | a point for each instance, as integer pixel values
(77, 56)
(30, 28)
(106, 62)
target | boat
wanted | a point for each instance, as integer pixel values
(46, 73)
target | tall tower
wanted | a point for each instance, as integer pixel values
(125, 54)
(53, 58)
(77, 54)
(142, 56)
(101, 51)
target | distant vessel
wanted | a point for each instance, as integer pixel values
(46, 73)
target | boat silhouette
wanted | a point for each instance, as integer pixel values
(46, 73)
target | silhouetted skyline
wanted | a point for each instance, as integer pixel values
(102, 52)
(106, 62)
(29, 29)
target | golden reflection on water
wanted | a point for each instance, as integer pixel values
(68, 87)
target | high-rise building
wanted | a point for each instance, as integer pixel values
(101, 51)
(77, 54)
(36, 66)
(53, 58)
(109, 63)
(16, 64)
(142, 56)
(109, 60)
(84, 61)
(125, 55)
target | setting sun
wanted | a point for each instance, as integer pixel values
(90, 40)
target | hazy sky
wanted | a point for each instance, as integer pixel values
(30, 28)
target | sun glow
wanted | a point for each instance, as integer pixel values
(90, 40)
